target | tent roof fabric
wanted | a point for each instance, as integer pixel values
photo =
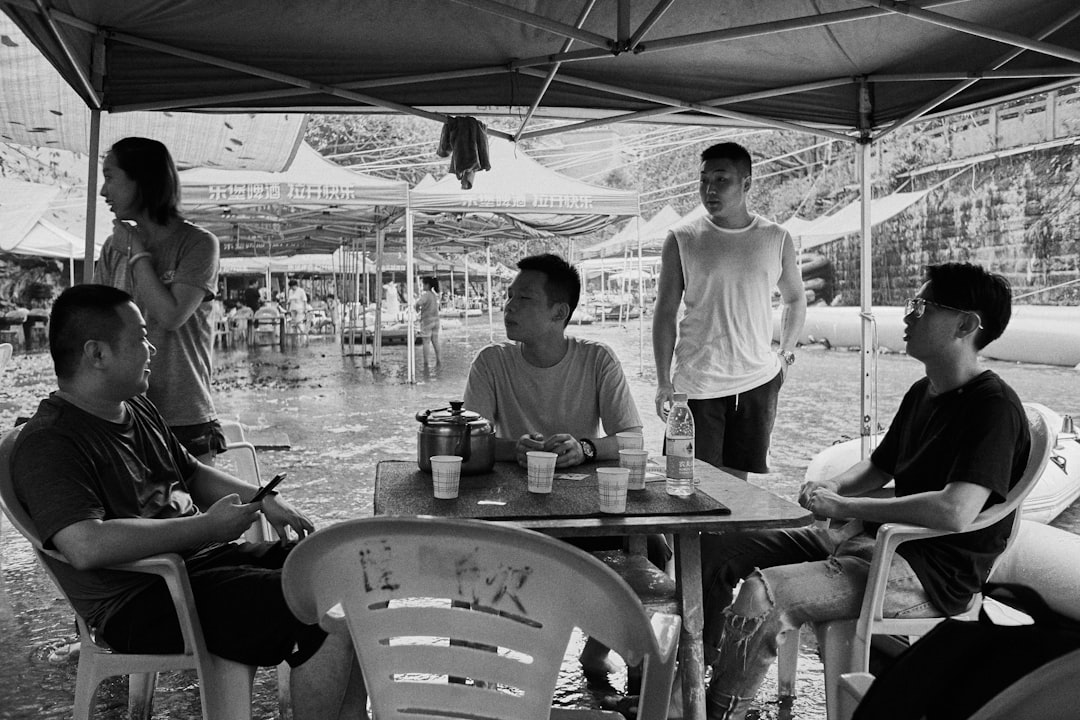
(47, 240)
(310, 181)
(848, 219)
(652, 233)
(849, 66)
(21, 205)
(311, 207)
(528, 193)
(38, 108)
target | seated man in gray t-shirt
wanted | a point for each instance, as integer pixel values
(545, 390)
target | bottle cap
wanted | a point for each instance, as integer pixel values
(679, 397)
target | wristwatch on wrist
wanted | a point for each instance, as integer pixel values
(787, 356)
(588, 449)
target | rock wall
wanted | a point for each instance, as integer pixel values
(1018, 215)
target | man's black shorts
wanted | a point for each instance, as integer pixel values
(241, 607)
(735, 431)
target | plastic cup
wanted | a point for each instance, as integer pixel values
(446, 472)
(613, 482)
(541, 467)
(635, 461)
(630, 440)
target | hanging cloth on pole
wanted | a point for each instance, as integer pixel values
(464, 141)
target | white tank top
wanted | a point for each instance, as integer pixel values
(724, 344)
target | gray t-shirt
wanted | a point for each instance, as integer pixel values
(584, 390)
(180, 371)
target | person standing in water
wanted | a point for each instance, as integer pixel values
(169, 265)
(428, 307)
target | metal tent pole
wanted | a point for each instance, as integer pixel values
(410, 291)
(91, 195)
(376, 349)
(868, 379)
(490, 304)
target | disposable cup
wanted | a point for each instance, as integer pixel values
(446, 473)
(613, 482)
(630, 440)
(635, 461)
(541, 467)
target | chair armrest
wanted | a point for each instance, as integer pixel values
(165, 564)
(171, 568)
(889, 537)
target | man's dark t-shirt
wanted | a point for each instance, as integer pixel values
(70, 466)
(977, 433)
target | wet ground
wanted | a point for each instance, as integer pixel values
(341, 416)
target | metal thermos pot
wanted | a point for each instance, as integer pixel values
(455, 431)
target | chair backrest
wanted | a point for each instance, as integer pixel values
(5, 355)
(435, 598)
(1043, 437)
(10, 504)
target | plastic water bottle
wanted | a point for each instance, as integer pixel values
(679, 448)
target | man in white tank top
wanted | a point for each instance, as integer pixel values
(722, 266)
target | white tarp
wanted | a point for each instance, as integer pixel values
(39, 109)
(21, 205)
(47, 240)
(652, 233)
(848, 219)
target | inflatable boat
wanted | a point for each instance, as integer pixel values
(1058, 487)
(1045, 334)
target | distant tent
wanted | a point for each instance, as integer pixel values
(528, 194)
(311, 206)
(21, 205)
(848, 219)
(652, 233)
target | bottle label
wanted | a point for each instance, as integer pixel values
(680, 458)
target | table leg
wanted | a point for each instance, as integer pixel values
(691, 652)
(281, 333)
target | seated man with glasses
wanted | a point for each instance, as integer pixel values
(958, 444)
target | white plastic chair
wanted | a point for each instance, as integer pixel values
(845, 644)
(266, 323)
(224, 685)
(5, 354)
(428, 598)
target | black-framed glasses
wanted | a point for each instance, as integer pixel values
(916, 307)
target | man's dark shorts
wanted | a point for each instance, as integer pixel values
(241, 607)
(734, 431)
(201, 439)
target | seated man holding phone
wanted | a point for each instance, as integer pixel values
(105, 481)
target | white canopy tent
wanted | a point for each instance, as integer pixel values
(637, 234)
(530, 196)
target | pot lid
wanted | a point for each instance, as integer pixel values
(456, 414)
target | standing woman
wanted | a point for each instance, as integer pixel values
(428, 306)
(170, 267)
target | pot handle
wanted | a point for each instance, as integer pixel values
(464, 447)
(422, 416)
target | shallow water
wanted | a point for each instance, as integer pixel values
(341, 416)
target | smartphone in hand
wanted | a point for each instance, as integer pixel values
(267, 488)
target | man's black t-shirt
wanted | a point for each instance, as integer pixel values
(977, 433)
